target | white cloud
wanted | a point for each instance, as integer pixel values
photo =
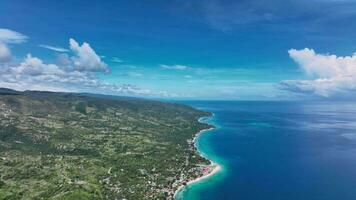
(328, 74)
(63, 59)
(53, 48)
(33, 74)
(85, 58)
(9, 36)
(324, 65)
(174, 67)
(35, 67)
(74, 71)
(116, 60)
(5, 53)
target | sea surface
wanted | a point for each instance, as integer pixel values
(278, 151)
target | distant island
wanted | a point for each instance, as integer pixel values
(83, 146)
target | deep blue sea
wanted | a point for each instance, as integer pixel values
(278, 151)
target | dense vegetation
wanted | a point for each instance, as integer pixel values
(73, 146)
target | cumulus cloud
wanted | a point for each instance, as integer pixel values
(5, 53)
(63, 59)
(34, 74)
(35, 67)
(327, 74)
(174, 67)
(9, 36)
(324, 65)
(85, 58)
(53, 48)
(74, 71)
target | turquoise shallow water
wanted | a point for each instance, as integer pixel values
(278, 151)
(202, 143)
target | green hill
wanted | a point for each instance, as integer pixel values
(79, 146)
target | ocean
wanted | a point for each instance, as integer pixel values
(278, 151)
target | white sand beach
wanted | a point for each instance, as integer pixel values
(214, 166)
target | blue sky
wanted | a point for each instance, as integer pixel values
(210, 49)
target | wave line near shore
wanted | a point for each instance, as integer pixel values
(214, 167)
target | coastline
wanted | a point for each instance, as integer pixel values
(214, 167)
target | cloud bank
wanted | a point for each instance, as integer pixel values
(34, 74)
(76, 70)
(328, 75)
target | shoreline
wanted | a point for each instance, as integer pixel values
(214, 166)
